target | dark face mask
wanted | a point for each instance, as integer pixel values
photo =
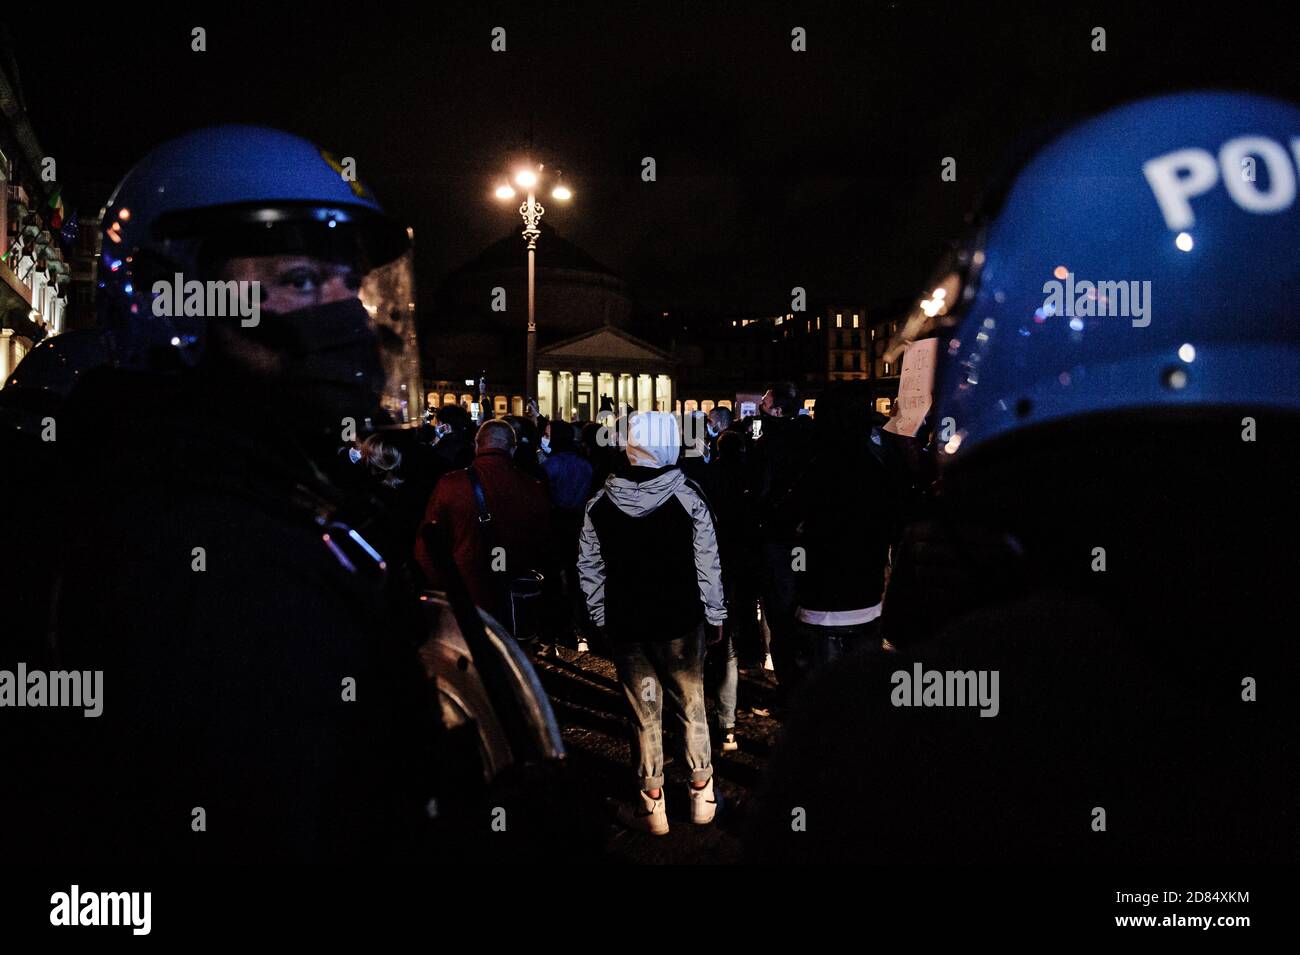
(331, 368)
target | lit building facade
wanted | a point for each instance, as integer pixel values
(604, 369)
(35, 278)
(584, 355)
(730, 360)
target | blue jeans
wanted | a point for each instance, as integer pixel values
(649, 671)
(724, 677)
(827, 644)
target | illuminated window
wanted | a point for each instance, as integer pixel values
(855, 321)
(839, 320)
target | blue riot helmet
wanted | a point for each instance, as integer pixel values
(220, 192)
(1144, 260)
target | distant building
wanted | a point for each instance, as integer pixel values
(729, 357)
(605, 367)
(586, 355)
(35, 278)
(598, 349)
(83, 258)
(885, 365)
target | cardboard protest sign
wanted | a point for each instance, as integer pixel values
(915, 387)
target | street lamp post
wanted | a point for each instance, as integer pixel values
(532, 214)
(531, 211)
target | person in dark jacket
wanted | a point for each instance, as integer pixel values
(724, 485)
(600, 448)
(721, 420)
(527, 446)
(512, 543)
(839, 508)
(453, 446)
(568, 472)
(694, 458)
(569, 484)
(778, 457)
(650, 569)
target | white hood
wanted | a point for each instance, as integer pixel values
(653, 439)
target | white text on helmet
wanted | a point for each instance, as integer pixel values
(1179, 176)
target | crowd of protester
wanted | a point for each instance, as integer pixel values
(685, 548)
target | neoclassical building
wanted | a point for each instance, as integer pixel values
(585, 356)
(604, 369)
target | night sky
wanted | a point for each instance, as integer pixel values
(775, 168)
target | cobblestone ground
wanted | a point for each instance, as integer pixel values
(590, 707)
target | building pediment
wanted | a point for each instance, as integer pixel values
(604, 343)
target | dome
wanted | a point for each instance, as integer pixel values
(575, 293)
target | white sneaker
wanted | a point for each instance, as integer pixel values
(647, 814)
(729, 743)
(703, 804)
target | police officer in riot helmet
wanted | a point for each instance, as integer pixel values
(1091, 637)
(263, 699)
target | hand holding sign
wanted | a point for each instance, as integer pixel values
(915, 387)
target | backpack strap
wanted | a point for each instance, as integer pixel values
(484, 515)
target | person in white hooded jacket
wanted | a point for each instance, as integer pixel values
(651, 573)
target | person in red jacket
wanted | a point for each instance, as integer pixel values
(520, 524)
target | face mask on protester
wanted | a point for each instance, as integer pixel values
(546, 444)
